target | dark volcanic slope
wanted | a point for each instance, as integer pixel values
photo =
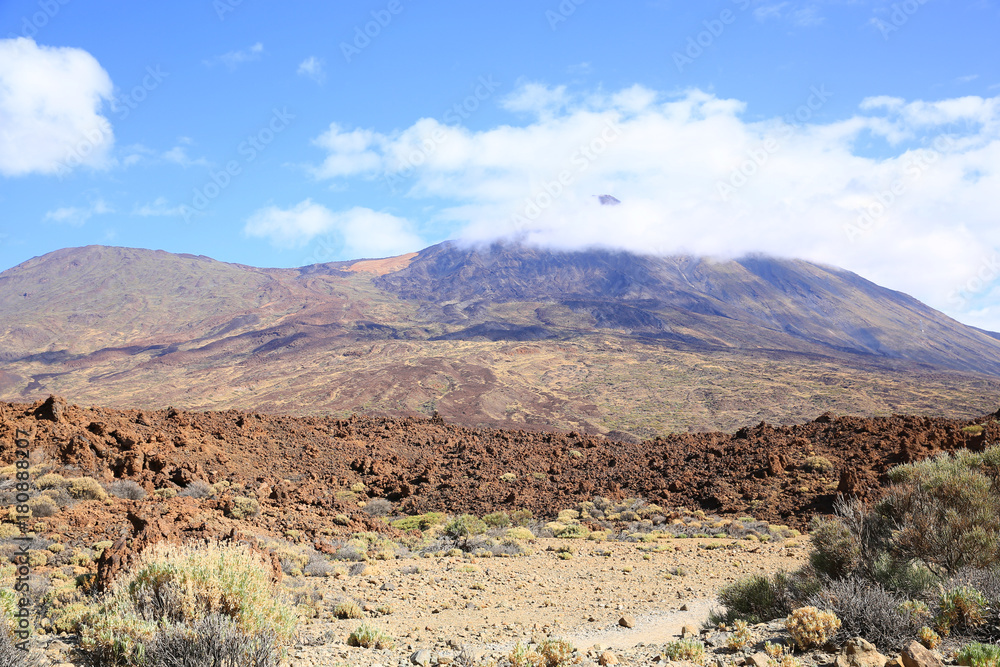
(507, 335)
(298, 466)
(754, 302)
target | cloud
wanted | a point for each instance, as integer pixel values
(50, 109)
(158, 208)
(696, 177)
(234, 59)
(178, 155)
(358, 232)
(313, 68)
(75, 216)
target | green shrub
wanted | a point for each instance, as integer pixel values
(962, 608)
(521, 517)
(753, 599)
(367, 636)
(243, 507)
(979, 655)
(573, 531)
(464, 527)
(836, 551)
(685, 649)
(497, 520)
(946, 510)
(182, 586)
(419, 522)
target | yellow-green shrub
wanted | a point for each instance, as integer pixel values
(810, 627)
(87, 488)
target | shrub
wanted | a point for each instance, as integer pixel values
(523, 656)
(51, 481)
(464, 527)
(182, 586)
(348, 609)
(10, 655)
(197, 489)
(929, 638)
(945, 509)
(818, 464)
(556, 652)
(214, 640)
(868, 610)
(420, 521)
(836, 550)
(87, 488)
(979, 655)
(741, 637)
(127, 489)
(378, 507)
(367, 636)
(962, 608)
(521, 518)
(811, 628)
(42, 507)
(497, 520)
(754, 599)
(243, 507)
(685, 649)
(165, 493)
(574, 531)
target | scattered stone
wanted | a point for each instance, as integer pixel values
(858, 652)
(422, 657)
(684, 607)
(607, 658)
(689, 631)
(757, 660)
(626, 621)
(915, 655)
(52, 409)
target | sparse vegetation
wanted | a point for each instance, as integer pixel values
(367, 636)
(812, 628)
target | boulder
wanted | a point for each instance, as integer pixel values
(607, 658)
(915, 655)
(859, 652)
(626, 621)
(52, 409)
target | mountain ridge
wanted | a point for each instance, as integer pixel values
(616, 340)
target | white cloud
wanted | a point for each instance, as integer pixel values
(234, 59)
(313, 68)
(178, 155)
(158, 208)
(76, 216)
(695, 177)
(360, 232)
(50, 109)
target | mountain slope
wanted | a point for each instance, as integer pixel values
(505, 335)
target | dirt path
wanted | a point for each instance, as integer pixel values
(444, 604)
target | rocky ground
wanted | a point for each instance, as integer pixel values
(317, 480)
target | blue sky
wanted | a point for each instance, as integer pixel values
(859, 133)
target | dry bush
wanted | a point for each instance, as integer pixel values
(812, 628)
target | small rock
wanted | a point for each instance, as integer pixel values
(422, 657)
(388, 586)
(915, 655)
(627, 621)
(859, 652)
(607, 658)
(684, 607)
(444, 660)
(757, 660)
(688, 631)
